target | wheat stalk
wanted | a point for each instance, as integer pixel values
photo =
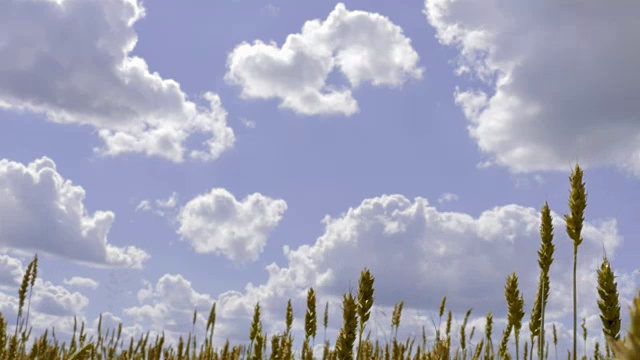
(608, 302)
(489, 348)
(347, 335)
(310, 324)
(577, 205)
(256, 328)
(515, 305)
(630, 347)
(463, 342)
(545, 259)
(555, 340)
(365, 302)
(289, 318)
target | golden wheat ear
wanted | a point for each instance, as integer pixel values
(629, 348)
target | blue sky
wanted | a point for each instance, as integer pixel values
(163, 156)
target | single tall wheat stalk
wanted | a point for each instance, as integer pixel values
(577, 204)
(365, 302)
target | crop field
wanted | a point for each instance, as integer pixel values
(354, 338)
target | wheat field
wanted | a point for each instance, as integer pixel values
(351, 342)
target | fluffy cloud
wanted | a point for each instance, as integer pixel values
(564, 80)
(364, 47)
(71, 60)
(81, 282)
(174, 301)
(57, 301)
(217, 222)
(169, 305)
(42, 211)
(11, 272)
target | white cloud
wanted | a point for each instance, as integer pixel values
(160, 207)
(217, 222)
(447, 197)
(57, 301)
(11, 272)
(42, 211)
(174, 301)
(364, 47)
(145, 292)
(144, 205)
(81, 282)
(71, 61)
(564, 81)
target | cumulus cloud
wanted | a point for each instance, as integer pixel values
(365, 47)
(217, 222)
(58, 301)
(42, 211)
(169, 305)
(173, 303)
(563, 81)
(71, 60)
(81, 282)
(11, 272)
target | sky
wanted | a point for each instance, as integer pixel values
(163, 156)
